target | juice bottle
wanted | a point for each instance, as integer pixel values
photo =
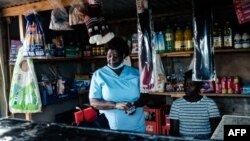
(178, 39)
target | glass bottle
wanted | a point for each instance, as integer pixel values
(228, 41)
(217, 36)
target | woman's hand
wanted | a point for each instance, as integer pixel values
(123, 105)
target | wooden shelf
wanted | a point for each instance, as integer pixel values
(135, 56)
(180, 94)
(56, 59)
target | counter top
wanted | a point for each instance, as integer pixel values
(13, 129)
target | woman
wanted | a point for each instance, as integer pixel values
(193, 116)
(115, 90)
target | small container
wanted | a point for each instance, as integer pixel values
(245, 40)
(237, 41)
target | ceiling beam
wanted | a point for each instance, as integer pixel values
(38, 6)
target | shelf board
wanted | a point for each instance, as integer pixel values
(55, 59)
(180, 94)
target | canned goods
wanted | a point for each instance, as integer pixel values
(223, 85)
(217, 86)
(230, 84)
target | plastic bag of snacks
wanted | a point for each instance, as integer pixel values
(76, 13)
(24, 92)
(59, 17)
(34, 40)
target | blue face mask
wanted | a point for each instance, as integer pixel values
(116, 68)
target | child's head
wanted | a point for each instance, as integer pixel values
(189, 84)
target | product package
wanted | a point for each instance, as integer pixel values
(34, 41)
(24, 92)
(242, 9)
(76, 12)
(59, 17)
(145, 38)
(203, 61)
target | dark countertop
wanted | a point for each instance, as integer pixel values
(13, 129)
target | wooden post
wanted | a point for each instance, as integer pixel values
(28, 116)
(21, 27)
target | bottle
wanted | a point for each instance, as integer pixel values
(217, 36)
(237, 41)
(178, 39)
(160, 42)
(228, 41)
(245, 40)
(169, 39)
(188, 43)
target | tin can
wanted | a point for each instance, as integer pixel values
(230, 85)
(217, 86)
(223, 85)
(236, 85)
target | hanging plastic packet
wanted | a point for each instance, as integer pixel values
(34, 40)
(76, 12)
(145, 46)
(24, 92)
(159, 74)
(242, 9)
(203, 65)
(59, 17)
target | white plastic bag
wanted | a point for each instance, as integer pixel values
(24, 92)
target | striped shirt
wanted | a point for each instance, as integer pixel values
(194, 116)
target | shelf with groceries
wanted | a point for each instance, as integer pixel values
(134, 56)
(180, 94)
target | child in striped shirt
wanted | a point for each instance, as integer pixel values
(193, 116)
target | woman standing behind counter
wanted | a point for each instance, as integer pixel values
(115, 90)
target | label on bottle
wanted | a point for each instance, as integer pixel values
(228, 41)
(217, 41)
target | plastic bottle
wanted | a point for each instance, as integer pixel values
(217, 36)
(178, 39)
(228, 37)
(169, 39)
(160, 42)
(245, 40)
(188, 43)
(237, 41)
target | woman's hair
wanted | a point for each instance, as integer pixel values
(119, 45)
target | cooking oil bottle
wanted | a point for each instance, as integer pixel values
(178, 39)
(228, 37)
(217, 35)
(188, 43)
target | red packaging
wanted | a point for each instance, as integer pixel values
(224, 85)
(230, 85)
(236, 85)
(242, 9)
(217, 86)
